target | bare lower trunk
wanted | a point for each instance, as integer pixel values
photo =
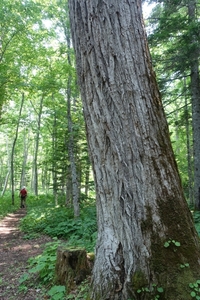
(142, 214)
(5, 184)
(25, 156)
(71, 143)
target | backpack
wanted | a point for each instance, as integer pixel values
(23, 192)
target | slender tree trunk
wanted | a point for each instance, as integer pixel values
(87, 177)
(8, 167)
(195, 95)
(5, 184)
(54, 158)
(13, 151)
(189, 152)
(74, 177)
(37, 138)
(75, 185)
(141, 211)
(68, 201)
(25, 156)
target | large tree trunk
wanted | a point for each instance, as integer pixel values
(140, 202)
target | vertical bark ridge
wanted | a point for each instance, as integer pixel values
(139, 195)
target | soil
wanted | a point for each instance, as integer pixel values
(15, 251)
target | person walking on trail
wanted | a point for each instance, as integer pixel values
(23, 195)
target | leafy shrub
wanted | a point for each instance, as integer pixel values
(6, 204)
(60, 222)
(44, 264)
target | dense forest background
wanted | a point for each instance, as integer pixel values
(42, 138)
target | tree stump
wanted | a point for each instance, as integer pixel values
(72, 267)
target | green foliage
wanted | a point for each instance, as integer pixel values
(172, 242)
(6, 205)
(173, 40)
(196, 217)
(57, 292)
(43, 265)
(154, 291)
(59, 222)
(195, 287)
(186, 265)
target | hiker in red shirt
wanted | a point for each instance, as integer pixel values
(23, 195)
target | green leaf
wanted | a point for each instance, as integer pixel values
(56, 289)
(193, 294)
(187, 265)
(177, 244)
(24, 278)
(166, 244)
(160, 290)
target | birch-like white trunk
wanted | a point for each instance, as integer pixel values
(140, 203)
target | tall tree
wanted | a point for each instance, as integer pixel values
(37, 138)
(13, 151)
(176, 28)
(194, 41)
(142, 214)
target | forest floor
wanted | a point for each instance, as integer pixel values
(15, 250)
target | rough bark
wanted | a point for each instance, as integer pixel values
(140, 202)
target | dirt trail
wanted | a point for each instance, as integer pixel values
(14, 253)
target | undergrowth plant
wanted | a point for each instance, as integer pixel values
(6, 205)
(41, 271)
(195, 290)
(43, 217)
(59, 222)
(43, 265)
